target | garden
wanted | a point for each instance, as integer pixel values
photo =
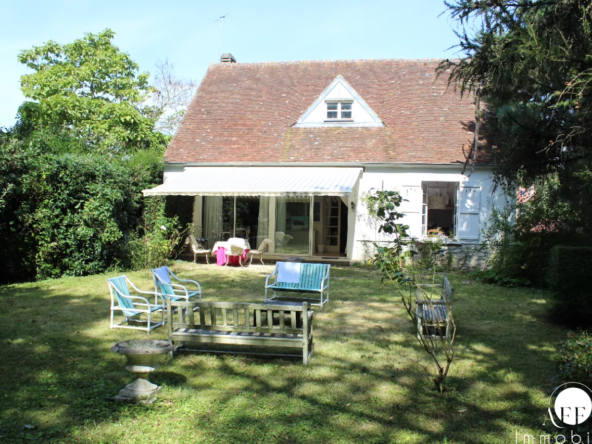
(368, 380)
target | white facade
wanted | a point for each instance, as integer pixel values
(473, 201)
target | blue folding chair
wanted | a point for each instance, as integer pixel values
(133, 305)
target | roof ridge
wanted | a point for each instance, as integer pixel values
(296, 62)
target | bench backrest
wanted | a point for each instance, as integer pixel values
(238, 316)
(447, 290)
(311, 276)
(445, 295)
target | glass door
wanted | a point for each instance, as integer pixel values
(292, 226)
(332, 224)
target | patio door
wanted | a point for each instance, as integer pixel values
(293, 225)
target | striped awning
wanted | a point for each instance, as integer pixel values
(259, 181)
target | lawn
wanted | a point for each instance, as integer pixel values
(368, 380)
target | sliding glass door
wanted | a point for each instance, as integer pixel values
(292, 225)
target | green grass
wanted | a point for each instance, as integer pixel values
(368, 380)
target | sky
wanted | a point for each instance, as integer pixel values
(187, 34)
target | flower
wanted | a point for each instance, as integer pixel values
(163, 228)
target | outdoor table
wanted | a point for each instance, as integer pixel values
(220, 248)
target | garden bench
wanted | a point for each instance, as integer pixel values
(241, 324)
(299, 278)
(434, 315)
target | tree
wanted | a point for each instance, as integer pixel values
(92, 88)
(531, 62)
(171, 97)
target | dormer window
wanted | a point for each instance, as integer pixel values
(339, 110)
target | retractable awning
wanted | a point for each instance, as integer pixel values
(259, 181)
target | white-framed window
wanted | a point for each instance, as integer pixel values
(439, 215)
(339, 110)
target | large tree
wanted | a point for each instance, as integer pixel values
(531, 62)
(91, 87)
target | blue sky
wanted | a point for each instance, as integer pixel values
(185, 32)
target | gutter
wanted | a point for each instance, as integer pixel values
(323, 164)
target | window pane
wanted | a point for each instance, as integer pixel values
(346, 114)
(332, 105)
(345, 106)
(292, 225)
(331, 114)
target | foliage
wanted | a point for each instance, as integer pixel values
(91, 88)
(575, 358)
(569, 280)
(429, 251)
(530, 61)
(162, 237)
(390, 260)
(64, 212)
(523, 235)
(397, 269)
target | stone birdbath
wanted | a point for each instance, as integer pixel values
(142, 359)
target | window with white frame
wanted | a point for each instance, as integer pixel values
(339, 110)
(439, 209)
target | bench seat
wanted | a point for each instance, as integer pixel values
(236, 323)
(434, 315)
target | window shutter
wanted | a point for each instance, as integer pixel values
(469, 213)
(411, 209)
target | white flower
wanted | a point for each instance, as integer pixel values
(163, 228)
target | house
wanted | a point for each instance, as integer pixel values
(287, 152)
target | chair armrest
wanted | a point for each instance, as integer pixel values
(189, 280)
(270, 276)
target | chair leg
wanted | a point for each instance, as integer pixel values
(207, 260)
(194, 257)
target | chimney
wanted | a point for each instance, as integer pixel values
(227, 58)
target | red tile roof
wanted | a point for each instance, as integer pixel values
(244, 113)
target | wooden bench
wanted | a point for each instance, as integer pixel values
(313, 279)
(242, 324)
(434, 315)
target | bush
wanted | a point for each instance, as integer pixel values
(575, 358)
(64, 211)
(569, 280)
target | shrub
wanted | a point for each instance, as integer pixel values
(569, 280)
(575, 358)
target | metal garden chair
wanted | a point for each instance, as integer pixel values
(133, 305)
(163, 283)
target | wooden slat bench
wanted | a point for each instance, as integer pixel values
(433, 316)
(241, 324)
(314, 279)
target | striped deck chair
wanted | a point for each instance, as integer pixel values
(299, 278)
(133, 305)
(163, 283)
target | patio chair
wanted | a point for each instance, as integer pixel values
(282, 239)
(133, 305)
(163, 283)
(262, 248)
(198, 248)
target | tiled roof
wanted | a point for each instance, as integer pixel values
(244, 112)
